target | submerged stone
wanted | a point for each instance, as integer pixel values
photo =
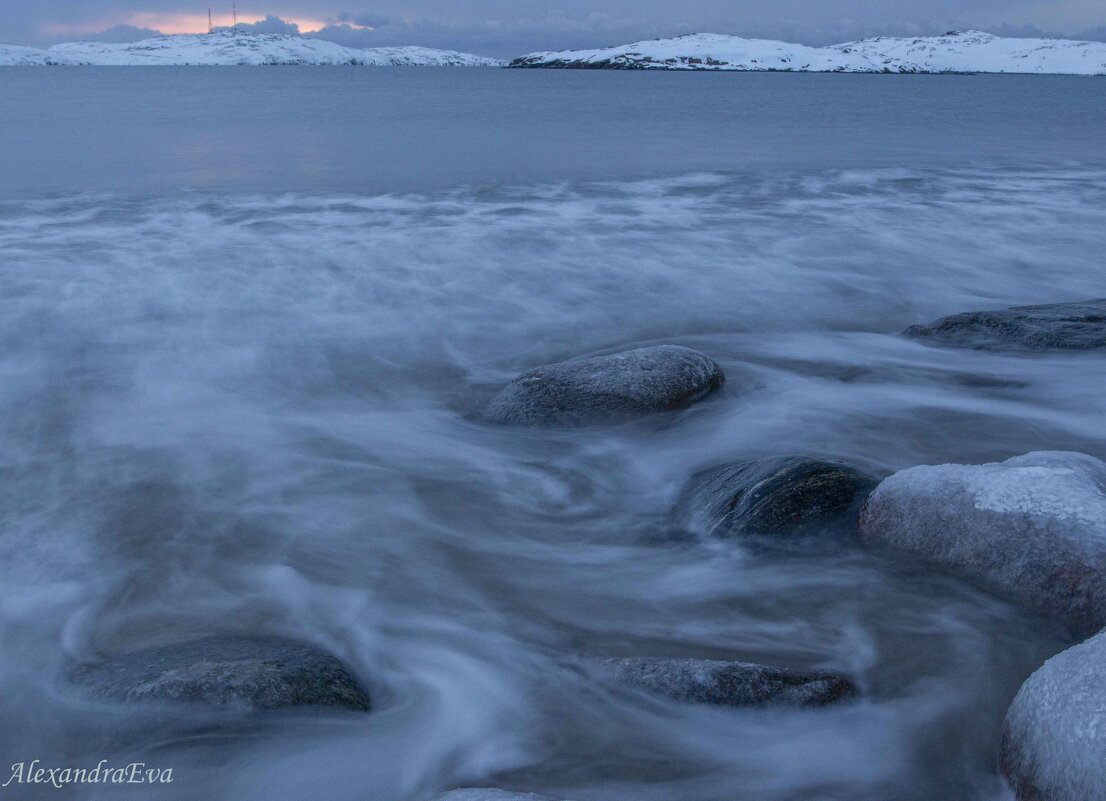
(606, 389)
(775, 496)
(489, 794)
(1033, 528)
(246, 672)
(1062, 326)
(1054, 736)
(705, 681)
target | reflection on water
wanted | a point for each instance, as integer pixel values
(386, 129)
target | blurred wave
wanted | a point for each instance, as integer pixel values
(262, 413)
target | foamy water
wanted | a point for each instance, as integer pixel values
(261, 413)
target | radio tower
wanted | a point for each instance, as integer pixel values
(234, 12)
(210, 27)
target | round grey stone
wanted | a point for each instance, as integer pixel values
(607, 389)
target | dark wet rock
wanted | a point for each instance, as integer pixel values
(1033, 528)
(1054, 736)
(243, 672)
(1063, 326)
(605, 389)
(489, 794)
(704, 681)
(775, 496)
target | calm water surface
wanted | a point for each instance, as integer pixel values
(249, 319)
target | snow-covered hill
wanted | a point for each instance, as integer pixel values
(968, 51)
(230, 47)
(14, 55)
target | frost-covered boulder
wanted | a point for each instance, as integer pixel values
(1054, 737)
(705, 681)
(606, 389)
(1032, 527)
(775, 496)
(233, 672)
(1064, 326)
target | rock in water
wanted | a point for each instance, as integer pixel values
(1066, 326)
(605, 389)
(1032, 527)
(775, 496)
(704, 681)
(489, 794)
(249, 672)
(1054, 737)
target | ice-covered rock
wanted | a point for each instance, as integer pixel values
(956, 51)
(605, 389)
(232, 47)
(1032, 527)
(705, 681)
(775, 496)
(1054, 737)
(1066, 326)
(235, 672)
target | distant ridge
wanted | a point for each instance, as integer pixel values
(234, 48)
(954, 52)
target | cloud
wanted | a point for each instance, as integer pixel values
(1097, 34)
(364, 19)
(119, 33)
(512, 27)
(499, 37)
(270, 24)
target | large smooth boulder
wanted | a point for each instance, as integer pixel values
(608, 389)
(1032, 527)
(1066, 326)
(237, 672)
(706, 681)
(781, 495)
(1054, 737)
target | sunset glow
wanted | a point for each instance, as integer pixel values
(170, 23)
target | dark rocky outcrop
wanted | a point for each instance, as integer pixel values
(1033, 528)
(607, 389)
(1060, 326)
(1054, 737)
(234, 672)
(704, 681)
(775, 496)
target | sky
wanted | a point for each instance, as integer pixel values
(513, 27)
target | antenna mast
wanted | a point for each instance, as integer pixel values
(234, 11)
(210, 27)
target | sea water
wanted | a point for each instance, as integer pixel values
(249, 321)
